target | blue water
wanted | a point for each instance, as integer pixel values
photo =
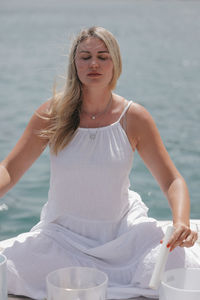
(160, 47)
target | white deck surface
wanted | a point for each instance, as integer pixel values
(24, 298)
(195, 225)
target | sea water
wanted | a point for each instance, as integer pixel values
(160, 45)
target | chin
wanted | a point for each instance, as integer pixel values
(96, 83)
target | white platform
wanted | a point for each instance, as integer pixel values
(25, 298)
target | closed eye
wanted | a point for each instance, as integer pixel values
(103, 57)
(86, 58)
(99, 57)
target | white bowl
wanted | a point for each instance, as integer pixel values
(75, 283)
(3, 281)
(180, 284)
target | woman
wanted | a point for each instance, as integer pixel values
(91, 217)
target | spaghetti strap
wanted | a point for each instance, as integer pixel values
(124, 110)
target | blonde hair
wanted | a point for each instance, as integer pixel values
(64, 111)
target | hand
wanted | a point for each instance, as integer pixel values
(183, 236)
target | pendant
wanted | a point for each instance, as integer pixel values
(93, 135)
(93, 117)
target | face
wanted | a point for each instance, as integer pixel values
(93, 63)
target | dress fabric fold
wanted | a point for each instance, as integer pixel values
(92, 219)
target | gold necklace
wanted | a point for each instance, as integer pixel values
(94, 116)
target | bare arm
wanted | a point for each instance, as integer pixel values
(147, 140)
(27, 150)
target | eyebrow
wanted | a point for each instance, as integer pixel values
(85, 51)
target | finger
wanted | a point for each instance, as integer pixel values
(184, 236)
(178, 237)
(173, 241)
(195, 234)
(190, 240)
(187, 243)
(180, 233)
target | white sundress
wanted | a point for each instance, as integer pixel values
(92, 219)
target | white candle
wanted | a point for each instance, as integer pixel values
(161, 261)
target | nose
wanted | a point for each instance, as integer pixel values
(94, 64)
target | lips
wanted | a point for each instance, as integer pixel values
(93, 74)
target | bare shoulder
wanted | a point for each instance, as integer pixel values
(44, 108)
(41, 117)
(140, 125)
(138, 115)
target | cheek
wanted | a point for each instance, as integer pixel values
(109, 67)
(80, 67)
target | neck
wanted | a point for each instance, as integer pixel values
(95, 102)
